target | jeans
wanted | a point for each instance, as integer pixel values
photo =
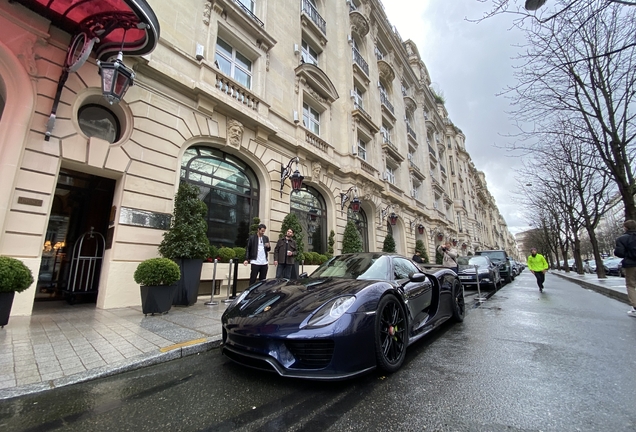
(630, 283)
(284, 271)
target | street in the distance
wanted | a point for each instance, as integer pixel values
(563, 360)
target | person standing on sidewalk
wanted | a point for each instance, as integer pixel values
(449, 256)
(418, 257)
(626, 249)
(538, 266)
(256, 254)
(285, 253)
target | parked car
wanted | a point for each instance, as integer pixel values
(354, 313)
(613, 266)
(500, 257)
(488, 272)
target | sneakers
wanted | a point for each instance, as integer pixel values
(632, 312)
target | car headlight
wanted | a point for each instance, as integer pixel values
(331, 311)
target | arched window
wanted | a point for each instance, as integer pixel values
(229, 189)
(360, 220)
(310, 208)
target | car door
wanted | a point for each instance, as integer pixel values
(418, 294)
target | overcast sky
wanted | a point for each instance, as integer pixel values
(470, 63)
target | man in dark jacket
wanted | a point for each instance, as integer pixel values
(626, 249)
(285, 253)
(256, 254)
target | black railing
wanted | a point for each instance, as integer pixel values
(431, 150)
(311, 11)
(385, 102)
(250, 13)
(410, 131)
(357, 57)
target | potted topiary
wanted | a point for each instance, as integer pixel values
(14, 277)
(186, 242)
(389, 244)
(351, 241)
(157, 278)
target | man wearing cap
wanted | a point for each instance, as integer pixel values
(538, 266)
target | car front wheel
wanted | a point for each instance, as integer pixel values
(459, 307)
(390, 334)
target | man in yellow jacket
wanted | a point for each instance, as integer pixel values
(538, 266)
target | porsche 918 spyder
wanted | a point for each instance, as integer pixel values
(354, 313)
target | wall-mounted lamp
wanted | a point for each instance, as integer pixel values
(393, 218)
(116, 78)
(384, 212)
(296, 178)
(355, 202)
(420, 229)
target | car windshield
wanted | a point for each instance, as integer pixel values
(471, 261)
(356, 266)
(494, 255)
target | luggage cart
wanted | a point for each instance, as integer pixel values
(86, 264)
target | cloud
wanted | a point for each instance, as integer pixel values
(471, 63)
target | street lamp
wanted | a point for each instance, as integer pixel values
(295, 178)
(355, 202)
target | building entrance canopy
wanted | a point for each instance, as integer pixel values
(111, 21)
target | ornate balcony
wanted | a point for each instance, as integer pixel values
(309, 10)
(357, 58)
(249, 13)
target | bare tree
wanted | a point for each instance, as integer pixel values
(565, 74)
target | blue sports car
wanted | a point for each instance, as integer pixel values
(354, 313)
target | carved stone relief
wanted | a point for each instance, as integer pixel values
(234, 133)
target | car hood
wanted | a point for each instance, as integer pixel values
(288, 303)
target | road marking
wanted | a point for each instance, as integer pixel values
(182, 344)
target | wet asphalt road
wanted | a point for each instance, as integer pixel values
(564, 360)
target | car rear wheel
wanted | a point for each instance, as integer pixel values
(459, 306)
(390, 334)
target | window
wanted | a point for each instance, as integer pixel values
(358, 97)
(362, 149)
(229, 189)
(233, 64)
(415, 192)
(311, 119)
(249, 4)
(98, 121)
(386, 133)
(389, 174)
(311, 210)
(309, 55)
(383, 92)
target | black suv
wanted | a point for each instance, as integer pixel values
(500, 257)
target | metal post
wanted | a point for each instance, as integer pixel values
(229, 278)
(479, 297)
(235, 280)
(212, 302)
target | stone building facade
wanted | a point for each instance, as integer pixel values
(233, 92)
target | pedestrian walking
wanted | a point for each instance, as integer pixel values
(626, 249)
(285, 253)
(449, 256)
(538, 266)
(256, 254)
(418, 257)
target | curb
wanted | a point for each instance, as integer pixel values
(608, 292)
(141, 361)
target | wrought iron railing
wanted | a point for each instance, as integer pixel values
(311, 11)
(357, 57)
(411, 131)
(431, 150)
(250, 13)
(386, 103)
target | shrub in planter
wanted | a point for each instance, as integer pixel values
(321, 259)
(14, 277)
(311, 258)
(186, 241)
(240, 253)
(212, 253)
(389, 244)
(158, 279)
(226, 254)
(351, 241)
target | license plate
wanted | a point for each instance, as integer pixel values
(465, 277)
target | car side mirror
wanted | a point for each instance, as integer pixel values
(417, 277)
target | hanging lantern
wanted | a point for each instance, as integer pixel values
(116, 78)
(393, 218)
(454, 242)
(296, 180)
(355, 204)
(440, 236)
(420, 229)
(464, 245)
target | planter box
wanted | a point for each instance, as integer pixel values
(6, 301)
(157, 299)
(188, 285)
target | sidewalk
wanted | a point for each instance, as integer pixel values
(613, 286)
(62, 344)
